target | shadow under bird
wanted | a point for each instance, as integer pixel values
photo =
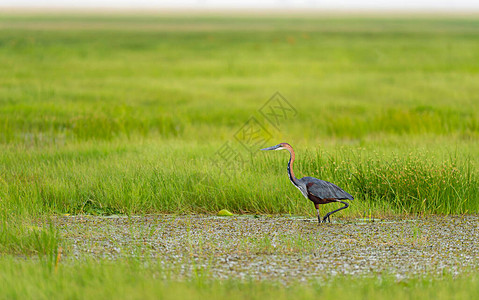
(314, 189)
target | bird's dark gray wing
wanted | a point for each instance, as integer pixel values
(325, 190)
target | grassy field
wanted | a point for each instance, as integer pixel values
(133, 280)
(119, 114)
(127, 113)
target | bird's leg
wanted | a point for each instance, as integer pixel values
(326, 217)
(317, 212)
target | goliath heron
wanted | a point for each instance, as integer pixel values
(316, 190)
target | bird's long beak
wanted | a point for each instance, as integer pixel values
(272, 148)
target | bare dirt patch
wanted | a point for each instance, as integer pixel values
(284, 248)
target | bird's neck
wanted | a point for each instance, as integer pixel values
(290, 168)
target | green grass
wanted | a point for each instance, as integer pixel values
(124, 114)
(19, 237)
(121, 114)
(134, 280)
(106, 114)
(145, 177)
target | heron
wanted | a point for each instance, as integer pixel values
(314, 189)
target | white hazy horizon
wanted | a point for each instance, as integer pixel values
(422, 5)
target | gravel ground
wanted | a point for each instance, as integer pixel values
(284, 248)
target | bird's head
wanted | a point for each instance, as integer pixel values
(279, 147)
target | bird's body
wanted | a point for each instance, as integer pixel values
(314, 189)
(322, 192)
